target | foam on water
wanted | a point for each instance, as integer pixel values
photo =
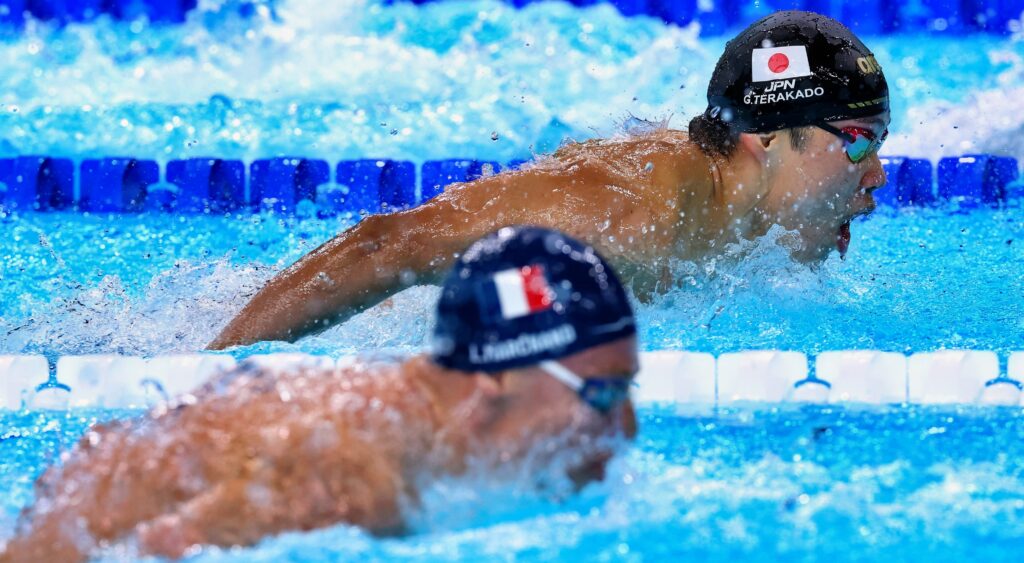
(810, 484)
(355, 78)
(914, 280)
(802, 483)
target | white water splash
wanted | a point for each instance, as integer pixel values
(179, 310)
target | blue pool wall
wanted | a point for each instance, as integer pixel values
(866, 17)
(285, 184)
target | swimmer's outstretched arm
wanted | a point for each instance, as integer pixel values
(384, 254)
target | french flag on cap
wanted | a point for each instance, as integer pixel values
(778, 63)
(523, 291)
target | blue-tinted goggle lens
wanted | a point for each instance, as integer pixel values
(605, 394)
(858, 143)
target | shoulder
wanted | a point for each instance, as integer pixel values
(631, 156)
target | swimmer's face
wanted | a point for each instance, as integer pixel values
(817, 191)
(539, 413)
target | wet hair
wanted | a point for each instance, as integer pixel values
(716, 138)
(713, 136)
(798, 137)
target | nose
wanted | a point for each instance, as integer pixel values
(627, 418)
(874, 177)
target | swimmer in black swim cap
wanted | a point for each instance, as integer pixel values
(798, 108)
(797, 91)
(527, 383)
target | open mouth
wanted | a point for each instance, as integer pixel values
(843, 239)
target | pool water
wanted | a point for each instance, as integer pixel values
(914, 280)
(479, 79)
(808, 484)
(359, 79)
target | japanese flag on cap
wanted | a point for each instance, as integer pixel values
(522, 291)
(778, 63)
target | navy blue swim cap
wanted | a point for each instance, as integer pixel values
(523, 295)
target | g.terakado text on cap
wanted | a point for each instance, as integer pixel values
(524, 295)
(793, 69)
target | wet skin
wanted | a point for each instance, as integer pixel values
(257, 453)
(641, 202)
(815, 190)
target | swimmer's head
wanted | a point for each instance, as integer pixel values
(544, 330)
(524, 295)
(803, 100)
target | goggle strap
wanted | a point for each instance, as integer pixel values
(563, 374)
(838, 132)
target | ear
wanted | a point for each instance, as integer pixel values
(758, 144)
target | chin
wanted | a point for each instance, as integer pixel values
(590, 470)
(813, 255)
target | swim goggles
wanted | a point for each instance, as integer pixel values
(603, 394)
(859, 143)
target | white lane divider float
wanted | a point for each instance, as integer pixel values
(673, 377)
(285, 360)
(766, 376)
(864, 376)
(670, 376)
(112, 381)
(169, 376)
(103, 380)
(20, 376)
(953, 376)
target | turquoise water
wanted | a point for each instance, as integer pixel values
(353, 78)
(357, 80)
(914, 280)
(807, 484)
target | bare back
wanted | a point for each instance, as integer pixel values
(256, 454)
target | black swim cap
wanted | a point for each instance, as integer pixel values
(523, 295)
(793, 69)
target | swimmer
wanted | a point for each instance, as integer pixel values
(531, 363)
(797, 110)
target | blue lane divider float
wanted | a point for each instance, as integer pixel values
(281, 183)
(715, 16)
(65, 10)
(438, 174)
(211, 185)
(116, 184)
(13, 12)
(37, 183)
(975, 179)
(167, 11)
(205, 185)
(910, 182)
(372, 185)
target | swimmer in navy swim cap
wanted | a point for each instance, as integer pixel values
(798, 108)
(527, 382)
